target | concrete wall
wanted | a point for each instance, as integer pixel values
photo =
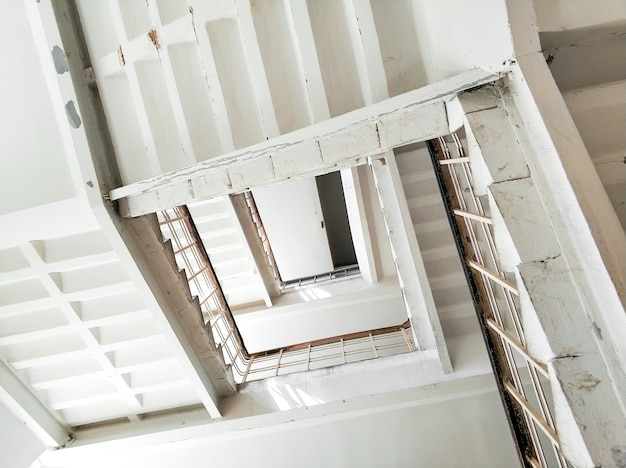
(27, 122)
(19, 447)
(464, 432)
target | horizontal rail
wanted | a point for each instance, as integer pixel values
(445, 162)
(178, 226)
(532, 413)
(477, 248)
(506, 336)
(186, 247)
(496, 278)
(477, 217)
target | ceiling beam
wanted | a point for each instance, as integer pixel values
(369, 61)
(418, 297)
(359, 225)
(343, 141)
(147, 261)
(244, 224)
(521, 151)
(302, 36)
(30, 411)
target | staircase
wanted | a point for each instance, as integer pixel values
(229, 252)
(445, 274)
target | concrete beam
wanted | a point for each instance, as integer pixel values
(412, 276)
(302, 36)
(137, 242)
(586, 372)
(369, 62)
(321, 148)
(360, 388)
(587, 411)
(30, 411)
(255, 247)
(359, 225)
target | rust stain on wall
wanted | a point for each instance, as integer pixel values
(154, 38)
(120, 56)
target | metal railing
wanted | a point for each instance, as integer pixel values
(495, 298)
(330, 352)
(260, 229)
(177, 225)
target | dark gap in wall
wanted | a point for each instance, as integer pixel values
(336, 221)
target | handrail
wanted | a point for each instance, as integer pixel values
(190, 254)
(496, 307)
(260, 229)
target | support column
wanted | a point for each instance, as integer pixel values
(138, 243)
(255, 247)
(418, 297)
(29, 410)
(586, 372)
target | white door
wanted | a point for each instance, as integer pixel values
(292, 216)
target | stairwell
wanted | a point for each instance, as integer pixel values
(229, 252)
(178, 298)
(438, 249)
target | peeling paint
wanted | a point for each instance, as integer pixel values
(618, 454)
(154, 38)
(120, 56)
(567, 356)
(60, 60)
(597, 330)
(588, 382)
(72, 115)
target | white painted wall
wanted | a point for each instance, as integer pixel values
(294, 222)
(460, 35)
(469, 431)
(19, 447)
(559, 15)
(27, 126)
(314, 313)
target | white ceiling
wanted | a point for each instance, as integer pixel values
(74, 326)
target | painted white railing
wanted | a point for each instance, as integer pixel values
(177, 225)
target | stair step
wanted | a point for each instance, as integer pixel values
(240, 282)
(210, 218)
(226, 274)
(168, 248)
(216, 240)
(230, 263)
(458, 310)
(447, 281)
(217, 221)
(451, 296)
(223, 256)
(418, 176)
(423, 201)
(439, 253)
(220, 248)
(431, 226)
(444, 266)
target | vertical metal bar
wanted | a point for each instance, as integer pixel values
(343, 352)
(373, 345)
(465, 239)
(280, 356)
(515, 316)
(406, 339)
(308, 358)
(256, 219)
(248, 367)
